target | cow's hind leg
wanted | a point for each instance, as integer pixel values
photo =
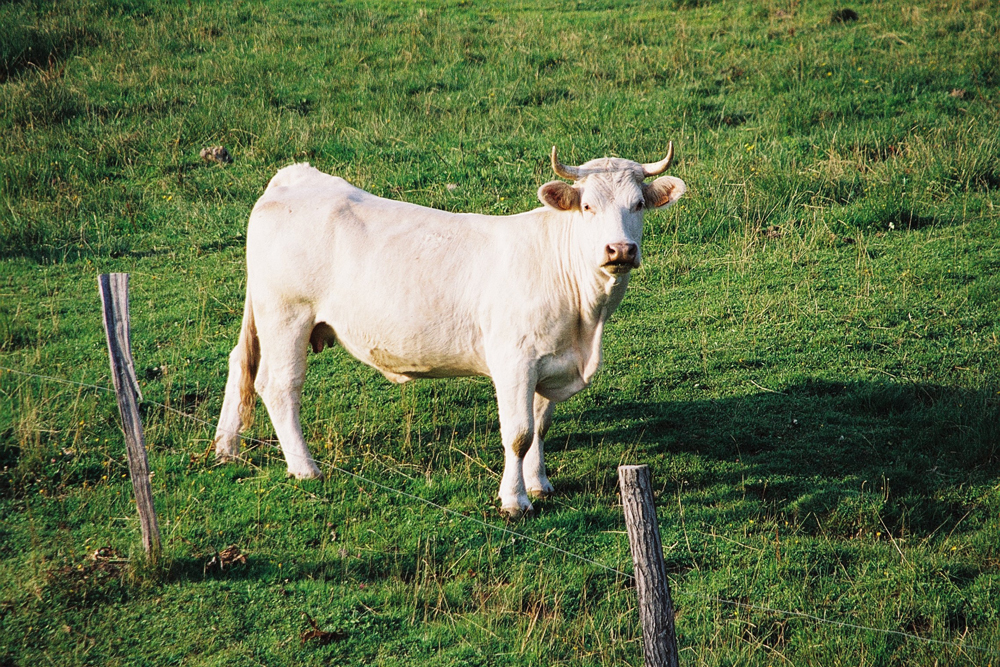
(227, 434)
(535, 480)
(279, 383)
(238, 403)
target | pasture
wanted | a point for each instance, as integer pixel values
(807, 359)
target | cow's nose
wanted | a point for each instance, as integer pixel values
(620, 253)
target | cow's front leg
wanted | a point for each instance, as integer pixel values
(535, 480)
(515, 394)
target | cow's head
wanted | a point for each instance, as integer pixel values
(611, 195)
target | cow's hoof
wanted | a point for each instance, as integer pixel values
(225, 453)
(305, 474)
(543, 492)
(515, 513)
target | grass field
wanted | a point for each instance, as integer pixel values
(808, 358)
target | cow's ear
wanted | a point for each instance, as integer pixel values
(560, 196)
(664, 191)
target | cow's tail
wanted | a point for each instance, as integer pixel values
(250, 363)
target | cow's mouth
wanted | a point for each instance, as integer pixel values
(618, 267)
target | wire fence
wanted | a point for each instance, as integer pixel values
(527, 538)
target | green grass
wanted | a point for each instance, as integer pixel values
(808, 358)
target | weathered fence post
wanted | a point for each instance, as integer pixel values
(656, 611)
(114, 305)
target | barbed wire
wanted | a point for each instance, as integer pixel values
(527, 538)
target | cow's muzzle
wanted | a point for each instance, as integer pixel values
(620, 257)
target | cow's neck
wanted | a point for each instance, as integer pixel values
(596, 294)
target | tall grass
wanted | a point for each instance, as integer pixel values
(807, 358)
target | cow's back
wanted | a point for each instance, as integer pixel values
(401, 285)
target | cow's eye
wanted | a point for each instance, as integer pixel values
(586, 207)
(638, 206)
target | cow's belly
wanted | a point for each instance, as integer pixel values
(399, 368)
(402, 355)
(559, 376)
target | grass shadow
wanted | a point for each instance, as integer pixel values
(42, 252)
(901, 454)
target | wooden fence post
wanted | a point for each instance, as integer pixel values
(656, 611)
(114, 305)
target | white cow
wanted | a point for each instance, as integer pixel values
(421, 293)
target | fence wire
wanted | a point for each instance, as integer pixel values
(527, 538)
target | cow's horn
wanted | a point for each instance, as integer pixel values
(571, 173)
(657, 168)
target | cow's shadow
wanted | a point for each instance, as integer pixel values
(834, 456)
